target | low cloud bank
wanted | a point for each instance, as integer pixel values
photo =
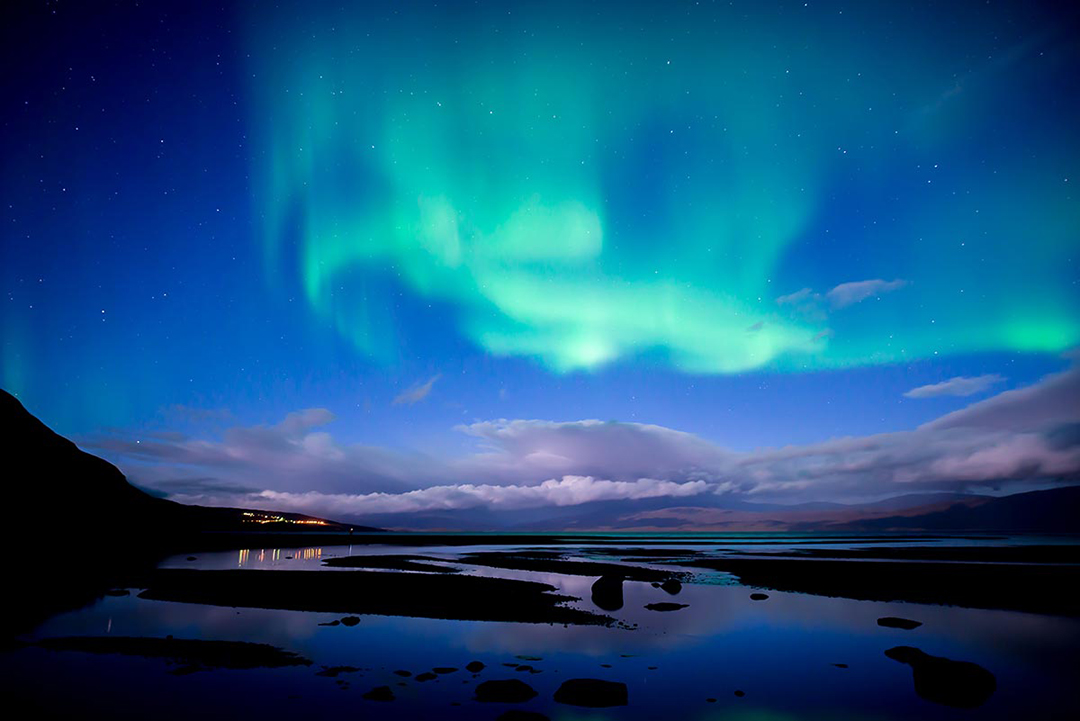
(1024, 436)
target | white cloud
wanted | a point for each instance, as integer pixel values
(1019, 436)
(847, 294)
(567, 491)
(958, 386)
(417, 392)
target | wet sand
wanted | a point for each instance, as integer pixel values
(386, 593)
(1034, 588)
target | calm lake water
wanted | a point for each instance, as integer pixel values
(780, 653)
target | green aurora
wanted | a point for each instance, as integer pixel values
(581, 189)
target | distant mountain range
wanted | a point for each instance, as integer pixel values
(1046, 511)
(54, 489)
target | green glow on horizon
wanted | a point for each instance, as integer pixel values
(583, 191)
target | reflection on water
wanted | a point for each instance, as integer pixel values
(792, 656)
(262, 557)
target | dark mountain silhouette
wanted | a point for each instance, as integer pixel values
(1049, 511)
(88, 528)
(54, 489)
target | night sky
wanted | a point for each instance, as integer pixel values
(299, 253)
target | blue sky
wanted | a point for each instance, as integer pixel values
(534, 212)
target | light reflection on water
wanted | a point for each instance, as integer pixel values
(780, 652)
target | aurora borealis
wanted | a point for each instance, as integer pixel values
(585, 188)
(761, 224)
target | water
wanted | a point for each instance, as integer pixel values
(780, 653)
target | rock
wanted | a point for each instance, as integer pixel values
(350, 620)
(840, 665)
(403, 673)
(192, 558)
(665, 606)
(739, 693)
(335, 671)
(592, 693)
(380, 693)
(444, 669)
(672, 586)
(758, 596)
(504, 691)
(894, 622)
(118, 592)
(525, 657)
(516, 714)
(960, 684)
(607, 593)
(474, 667)
(426, 676)
(524, 667)
(710, 700)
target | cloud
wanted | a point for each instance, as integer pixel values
(567, 491)
(958, 386)
(799, 296)
(417, 392)
(1023, 436)
(847, 294)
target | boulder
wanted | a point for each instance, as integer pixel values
(380, 693)
(672, 586)
(664, 606)
(504, 691)
(960, 684)
(592, 693)
(894, 622)
(607, 593)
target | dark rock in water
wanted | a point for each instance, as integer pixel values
(758, 596)
(444, 669)
(350, 620)
(335, 622)
(740, 693)
(403, 673)
(516, 714)
(840, 665)
(524, 667)
(960, 684)
(505, 691)
(525, 657)
(192, 558)
(672, 586)
(710, 700)
(474, 667)
(607, 593)
(335, 671)
(664, 606)
(592, 693)
(118, 592)
(380, 693)
(653, 668)
(605, 665)
(894, 622)
(426, 676)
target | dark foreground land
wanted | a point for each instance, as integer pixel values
(448, 596)
(1036, 588)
